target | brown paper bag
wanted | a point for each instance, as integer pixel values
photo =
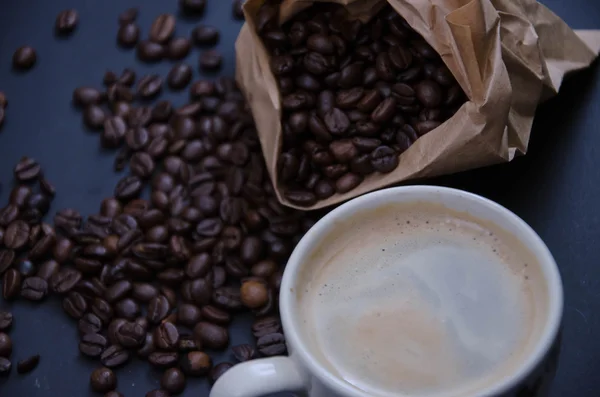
(507, 55)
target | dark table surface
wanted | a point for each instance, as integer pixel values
(555, 188)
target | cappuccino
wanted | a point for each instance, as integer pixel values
(420, 300)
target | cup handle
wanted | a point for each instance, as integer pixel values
(257, 378)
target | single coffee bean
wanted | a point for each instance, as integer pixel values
(117, 291)
(29, 364)
(128, 16)
(128, 188)
(6, 345)
(178, 48)
(27, 169)
(384, 111)
(429, 93)
(192, 6)
(92, 345)
(271, 344)
(3, 100)
(211, 335)
(103, 380)
(210, 60)
(205, 35)
(173, 381)
(66, 21)
(218, 370)
(348, 182)
(162, 28)
(158, 309)
(34, 288)
(215, 315)
(149, 86)
(7, 257)
(6, 320)
(148, 51)
(179, 76)
(141, 164)
(89, 324)
(254, 294)
(243, 352)
(5, 366)
(128, 35)
(384, 159)
(166, 336)
(127, 308)
(48, 269)
(19, 195)
(196, 363)
(63, 281)
(16, 235)
(236, 10)
(24, 58)
(114, 356)
(11, 285)
(94, 117)
(75, 305)
(130, 335)
(163, 359)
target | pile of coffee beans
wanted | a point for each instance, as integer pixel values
(354, 96)
(192, 236)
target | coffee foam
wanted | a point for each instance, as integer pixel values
(420, 301)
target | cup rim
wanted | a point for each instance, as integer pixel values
(547, 264)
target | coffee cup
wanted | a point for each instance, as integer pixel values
(416, 291)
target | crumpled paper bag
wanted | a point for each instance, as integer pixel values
(507, 55)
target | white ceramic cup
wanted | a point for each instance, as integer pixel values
(303, 374)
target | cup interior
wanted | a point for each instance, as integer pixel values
(454, 200)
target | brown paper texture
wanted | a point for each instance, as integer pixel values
(507, 55)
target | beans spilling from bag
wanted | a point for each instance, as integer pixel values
(354, 96)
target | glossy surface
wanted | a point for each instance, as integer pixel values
(555, 188)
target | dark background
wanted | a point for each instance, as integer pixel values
(555, 188)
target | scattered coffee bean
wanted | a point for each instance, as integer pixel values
(94, 117)
(205, 35)
(92, 345)
(179, 76)
(34, 288)
(114, 356)
(11, 286)
(193, 6)
(5, 366)
(24, 58)
(211, 335)
(163, 359)
(254, 294)
(103, 380)
(210, 60)
(6, 345)
(178, 48)
(271, 344)
(196, 363)
(236, 9)
(3, 100)
(149, 86)
(173, 381)
(218, 370)
(128, 35)
(27, 169)
(66, 21)
(28, 365)
(128, 16)
(149, 51)
(162, 28)
(6, 320)
(243, 352)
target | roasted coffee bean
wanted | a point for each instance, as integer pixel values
(75, 305)
(66, 22)
(24, 58)
(16, 235)
(128, 188)
(243, 352)
(128, 35)
(141, 164)
(29, 364)
(149, 51)
(188, 314)
(236, 9)
(192, 6)
(128, 16)
(271, 344)
(130, 335)
(48, 269)
(196, 363)
(92, 345)
(158, 309)
(178, 48)
(253, 294)
(166, 336)
(173, 381)
(384, 159)
(94, 117)
(6, 345)
(211, 335)
(114, 356)
(300, 197)
(6, 320)
(218, 370)
(3, 100)
(11, 285)
(89, 324)
(198, 266)
(19, 195)
(5, 366)
(348, 182)
(114, 132)
(118, 291)
(63, 281)
(162, 28)
(163, 359)
(27, 169)
(429, 93)
(144, 292)
(149, 86)
(210, 60)
(205, 35)
(34, 288)
(179, 76)
(103, 380)
(197, 291)
(127, 308)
